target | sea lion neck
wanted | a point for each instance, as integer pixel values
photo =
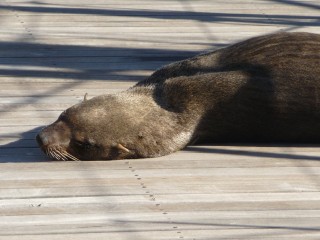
(152, 118)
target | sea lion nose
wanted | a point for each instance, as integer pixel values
(42, 139)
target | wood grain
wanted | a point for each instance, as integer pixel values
(53, 52)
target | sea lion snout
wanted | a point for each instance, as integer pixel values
(42, 139)
(54, 140)
(46, 138)
(57, 133)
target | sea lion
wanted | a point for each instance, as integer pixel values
(265, 89)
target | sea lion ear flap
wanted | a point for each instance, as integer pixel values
(85, 98)
(121, 147)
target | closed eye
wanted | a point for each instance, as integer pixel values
(83, 144)
(79, 143)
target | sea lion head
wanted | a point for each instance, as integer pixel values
(94, 129)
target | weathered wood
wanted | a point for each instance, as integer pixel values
(53, 52)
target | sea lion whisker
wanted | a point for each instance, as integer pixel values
(71, 157)
(64, 158)
(56, 153)
(50, 153)
(56, 156)
(59, 153)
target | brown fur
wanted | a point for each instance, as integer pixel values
(260, 90)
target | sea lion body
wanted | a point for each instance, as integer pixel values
(265, 89)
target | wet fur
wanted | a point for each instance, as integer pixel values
(265, 89)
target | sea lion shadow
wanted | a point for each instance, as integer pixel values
(25, 149)
(260, 154)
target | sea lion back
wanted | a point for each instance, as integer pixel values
(287, 52)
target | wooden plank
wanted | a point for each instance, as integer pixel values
(270, 234)
(42, 93)
(40, 208)
(168, 173)
(54, 52)
(236, 220)
(164, 11)
(125, 187)
(194, 30)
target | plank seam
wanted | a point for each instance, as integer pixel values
(153, 199)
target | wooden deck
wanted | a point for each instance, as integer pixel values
(54, 51)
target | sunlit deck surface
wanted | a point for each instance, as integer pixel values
(52, 52)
